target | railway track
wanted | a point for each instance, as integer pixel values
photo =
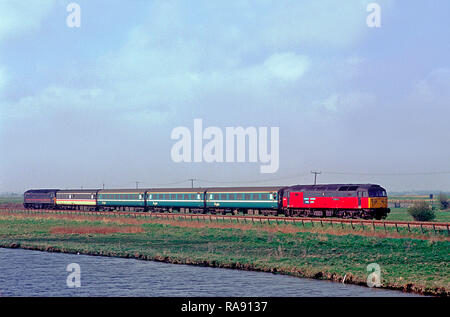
(436, 227)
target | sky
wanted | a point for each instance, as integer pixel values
(96, 104)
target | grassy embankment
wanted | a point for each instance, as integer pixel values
(413, 263)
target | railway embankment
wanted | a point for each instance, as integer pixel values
(409, 261)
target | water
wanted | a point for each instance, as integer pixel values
(36, 273)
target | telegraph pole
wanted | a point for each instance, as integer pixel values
(315, 176)
(192, 182)
(137, 184)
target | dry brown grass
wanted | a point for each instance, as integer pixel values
(96, 230)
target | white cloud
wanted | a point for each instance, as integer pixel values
(17, 17)
(347, 102)
(287, 66)
(435, 84)
(3, 78)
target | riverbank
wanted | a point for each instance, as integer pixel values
(408, 264)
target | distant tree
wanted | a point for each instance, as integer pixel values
(443, 200)
(421, 211)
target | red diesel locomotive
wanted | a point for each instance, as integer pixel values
(336, 200)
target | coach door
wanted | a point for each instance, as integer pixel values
(359, 198)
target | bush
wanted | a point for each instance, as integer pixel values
(443, 201)
(421, 211)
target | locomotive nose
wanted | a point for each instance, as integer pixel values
(378, 202)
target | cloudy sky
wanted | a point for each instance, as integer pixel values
(96, 104)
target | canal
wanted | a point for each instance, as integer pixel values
(36, 273)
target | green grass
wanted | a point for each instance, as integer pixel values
(11, 200)
(401, 214)
(423, 264)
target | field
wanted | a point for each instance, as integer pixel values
(401, 214)
(408, 261)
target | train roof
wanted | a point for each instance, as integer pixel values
(42, 191)
(84, 191)
(335, 187)
(246, 189)
(121, 190)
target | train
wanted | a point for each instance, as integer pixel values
(365, 201)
